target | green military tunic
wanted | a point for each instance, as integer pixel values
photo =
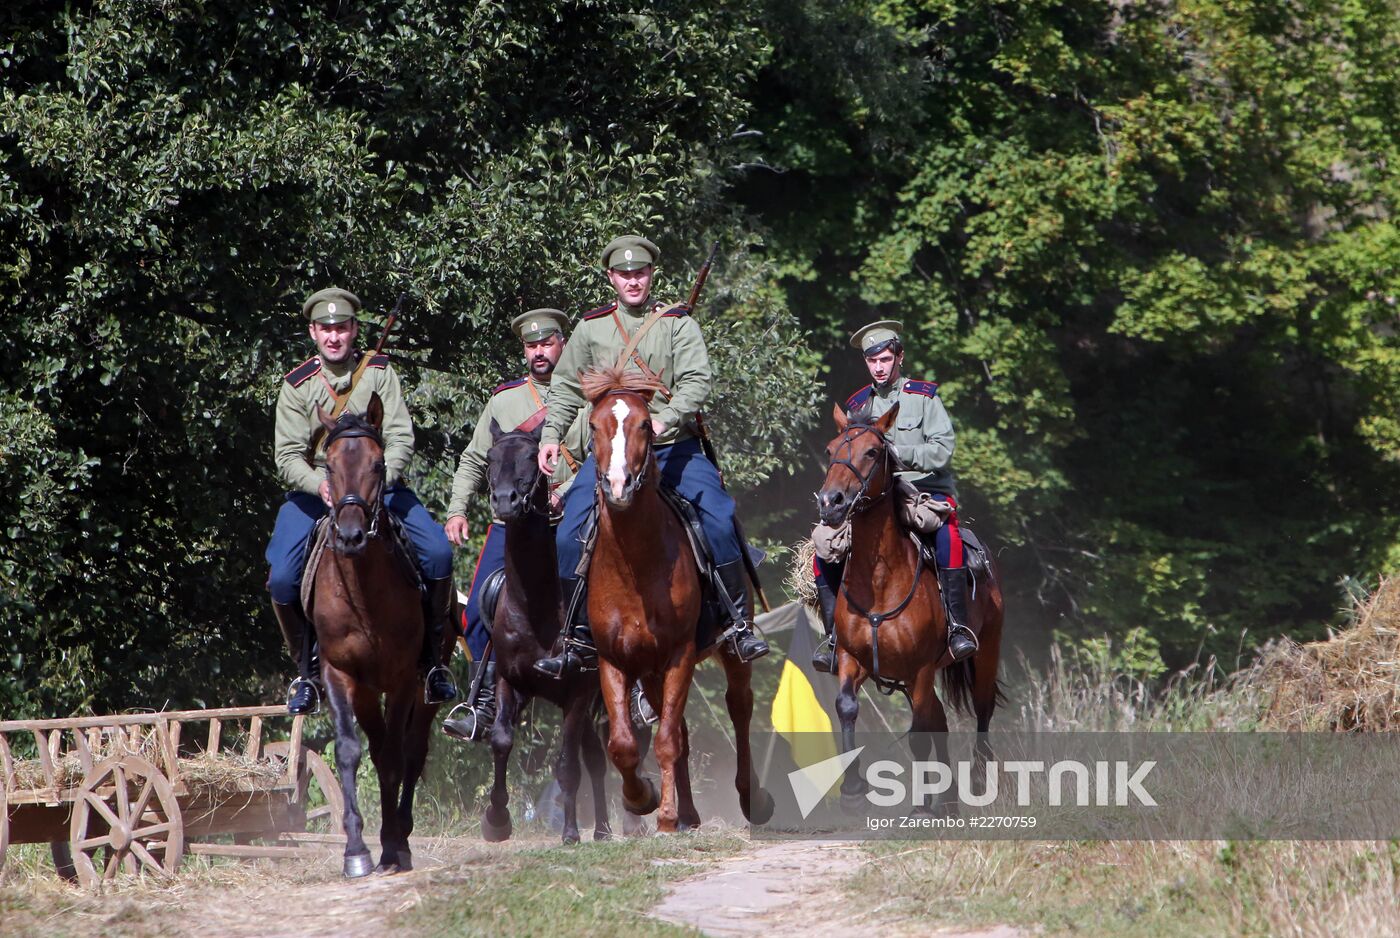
(674, 348)
(311, 383)
(510, 405)
(923, 434)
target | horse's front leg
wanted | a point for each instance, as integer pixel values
(929, 729)
(593, 761)
(850, 675)
(566, 769)
(687, 816)
(675, 689)
(420, 725)
(495, 820)
(386, 752)
(754, 801)
(347, 762)
(639, 795)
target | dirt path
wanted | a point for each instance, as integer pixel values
(791, 887)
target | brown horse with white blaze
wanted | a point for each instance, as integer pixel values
(644, 603)
(369, 622)
(890, 622)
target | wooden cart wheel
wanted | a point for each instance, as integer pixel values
(326, 818)
(125, 810)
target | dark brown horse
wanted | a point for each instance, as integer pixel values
(523, 630)
(369, 621)
(644, 600)
(890, 621)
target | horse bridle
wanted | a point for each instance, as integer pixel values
(352, 431)
(632, 488)
(861, 503)
(528, 492)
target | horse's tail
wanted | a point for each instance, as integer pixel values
(958, 680)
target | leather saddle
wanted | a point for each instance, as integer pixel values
(320, 538)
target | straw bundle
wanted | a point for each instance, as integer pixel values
(1349, 682)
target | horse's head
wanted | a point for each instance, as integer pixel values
(860, 468)
(513, 473)
(622, 434)
(355, 470)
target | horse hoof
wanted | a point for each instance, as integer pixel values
(650, 801)
(633, 826)
(358, 865)
(760, 806)
(854, 802)
(570, 838)
(602, 833)
(494, 833)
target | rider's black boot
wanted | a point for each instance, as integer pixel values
(735, 578)
(477, 715)
(824, 658)
(962, 641)
(303, 695)
(579, 649)
(438, 686)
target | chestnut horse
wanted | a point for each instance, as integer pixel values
(523, 630)
(369, 622)
(890, 622)
(644, 601)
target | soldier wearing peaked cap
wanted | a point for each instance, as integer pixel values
(513, 405)
(673, 347)
(922, 442)
(340, 372)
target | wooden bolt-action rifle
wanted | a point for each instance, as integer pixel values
(709, 447)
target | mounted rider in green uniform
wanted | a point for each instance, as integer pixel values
(342, 378)
(514, 405)
(674, 348)
(922, 443)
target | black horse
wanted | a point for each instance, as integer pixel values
(523, 630)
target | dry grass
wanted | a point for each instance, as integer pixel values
(224, 770)
(1163, 888)
(1069, 695)
(800, 582)
(1348, 682)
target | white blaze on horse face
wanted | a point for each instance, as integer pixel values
(617, 459)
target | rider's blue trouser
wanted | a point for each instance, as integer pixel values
(492, 558)
(286, 552)
(684, 468)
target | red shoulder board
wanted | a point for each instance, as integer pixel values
(681, 310)
(379, 361)
(858, 398)
(600, 311)
(507, 386)
(926, 388)
(303, 371)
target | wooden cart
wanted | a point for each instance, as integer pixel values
(134, 793)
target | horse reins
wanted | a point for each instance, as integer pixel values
(861, 503)
(350, 431)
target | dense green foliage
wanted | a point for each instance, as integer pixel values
(1148, 250)
(174, 178)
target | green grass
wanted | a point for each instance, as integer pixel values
(590, 889)
(1140, 889)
